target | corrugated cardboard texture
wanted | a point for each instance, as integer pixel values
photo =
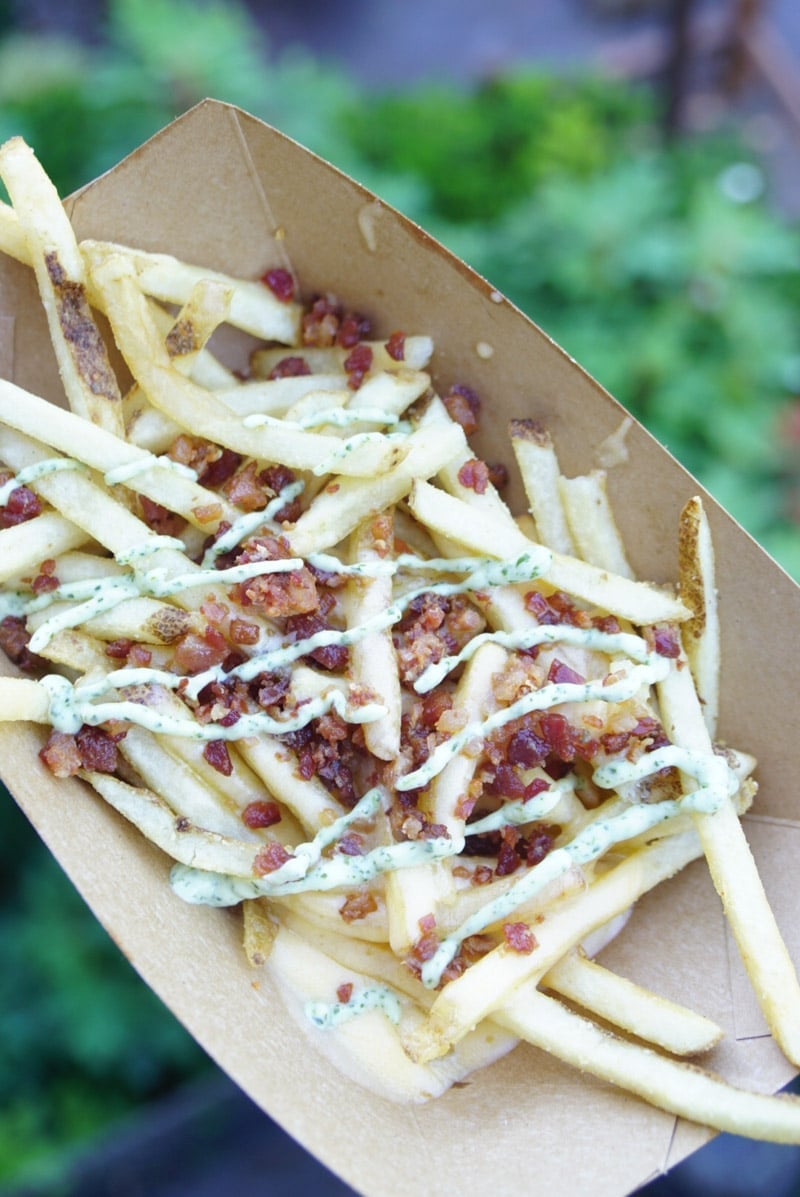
(220, 188)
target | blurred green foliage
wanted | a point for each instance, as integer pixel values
(660, 268)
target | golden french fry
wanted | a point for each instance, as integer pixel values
(539, 470)
(89, 382)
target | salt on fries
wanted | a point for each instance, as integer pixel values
(288, 627)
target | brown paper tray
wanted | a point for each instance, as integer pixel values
(220, 188)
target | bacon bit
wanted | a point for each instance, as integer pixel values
(118, 649)
(357, 906)
(194, 653)
(160, 519)
(508, 859)
(245, 489)
(97, 749)
(434, 705)
(464, 407)
(357, 364)
(207, 513)
(519, 938)
(663, 639)
(432, 626)
(275, 595)
(321, 322)
(289, 367)
(269, 858)
(139, 654)
(352, 329)
(351, 844)
(14, 639)
(243, 632)
(559, 672)
(215, 752)
(44, 582)
(382, 529)
(427, 923)
(270, 688)
(425, 947)
(303, 625)
(396, 346)
(474, 474)
(280, 283)
(60, 755)
(345, 992)
(220, 469)
(498, 474)
(261, 813)
(22, 505)
(482, 875)
(556, 608)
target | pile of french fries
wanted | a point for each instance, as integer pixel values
(435, 752)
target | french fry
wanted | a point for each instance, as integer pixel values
(538, 466)
(89, 382)
(591, 522)
(736, 879)
(666, 1024)
(677, 1087)
(700, 633)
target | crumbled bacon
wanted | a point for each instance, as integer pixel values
(320, 323)
(220, 469)
(464, 407)
(243, 632)
(328, 751)
(289, 367)
(160, 519)
(433, 626)
(357, 906)
(261, 813)
(664, 640)
(396, 346)
(351, 844)
(280, 283)
(22, 505)
(560, 673)
(357, 364)
(60, 755)
(245, 489)
(14, 638)
(352, 329)
(195, 652)
(215, 752)
(304, 625)
(207, 513)
(269, 858)
(97, 749)
(269, 688)
(211, 463)
(139, 655)
(474, 474)
(344, 992)
(275, 595)
(119, 649)
(519, 937)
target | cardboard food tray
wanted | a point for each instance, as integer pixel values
(220, 188)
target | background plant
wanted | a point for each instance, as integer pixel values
(661, 268)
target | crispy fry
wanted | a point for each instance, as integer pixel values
(679, 1088)
(89, 382)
